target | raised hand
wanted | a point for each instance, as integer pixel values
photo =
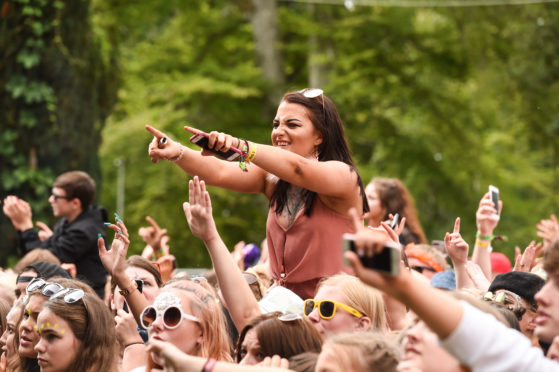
(162, 147)
(456, 246)
(548, 229)
(19, 212)
(198, 211)
(153, 235)
(217, 141)
(44, 231)
(486, 215)
(527, 260)
(114, 260)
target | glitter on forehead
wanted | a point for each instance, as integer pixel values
(164, 300)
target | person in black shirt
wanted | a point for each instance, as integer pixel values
(74, 237)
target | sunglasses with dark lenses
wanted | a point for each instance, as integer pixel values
(172, 316)
(327, 308)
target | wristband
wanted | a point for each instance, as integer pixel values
(484, 244)
(130, 289)
(252, 147)
(209, 366)
(179, 157)
(484, 237)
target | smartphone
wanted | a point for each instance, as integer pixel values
(201, 139)
(494, 192)
(394, 221)
(386, 262)
(140, 284)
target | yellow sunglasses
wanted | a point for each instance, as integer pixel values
(327, 308)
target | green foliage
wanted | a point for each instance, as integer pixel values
(448, 100)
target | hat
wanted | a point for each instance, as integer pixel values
(281, 299)
(525, 285)
(500, 263)
(444, 280)
(47, 270)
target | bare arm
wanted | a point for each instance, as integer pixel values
(241, 303)
(213, 171)
(486, 221)
(417, 295)
(457, 250)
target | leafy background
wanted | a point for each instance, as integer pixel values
(449, 100)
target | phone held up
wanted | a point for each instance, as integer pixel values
(394, 221)
(494, 192)
(201, 139)
(386, 262)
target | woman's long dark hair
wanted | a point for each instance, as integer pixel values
(327, 121)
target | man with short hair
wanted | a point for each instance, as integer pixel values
(74, 238)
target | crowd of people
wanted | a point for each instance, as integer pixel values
(77, 301)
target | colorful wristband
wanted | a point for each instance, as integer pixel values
(252, 147)
(484, 237)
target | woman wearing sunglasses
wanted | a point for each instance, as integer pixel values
(344, 304)
(307, 174)
(76, 333)
(186, 315)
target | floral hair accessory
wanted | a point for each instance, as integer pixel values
(164, 300)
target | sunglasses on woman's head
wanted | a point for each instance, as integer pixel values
(313, 93)
(70, 295)
(327, 308)
(48, 289)
(172, 316)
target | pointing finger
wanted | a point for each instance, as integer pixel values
(457, 225)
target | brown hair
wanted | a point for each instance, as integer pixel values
(395, 198)
(284, 338)
(366, 299)
(363, 351)
(36, 255)
(551, 258)
(211, 319)
(142, 263)
(77, 184)
(92, 324)
(326, 120)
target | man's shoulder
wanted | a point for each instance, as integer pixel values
(92, 217)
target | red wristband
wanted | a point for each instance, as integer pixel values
(209, 366)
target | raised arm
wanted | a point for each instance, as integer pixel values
(213, 171)
(457, 250)
(486, 221)
(241, 303)
(114, 261)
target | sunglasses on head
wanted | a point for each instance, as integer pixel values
(70, 295)
(327, 308)
(48, 289)
(313, 93)
(172, 316)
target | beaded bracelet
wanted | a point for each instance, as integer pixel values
(179, 157)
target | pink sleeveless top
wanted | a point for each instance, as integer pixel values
(308, 250)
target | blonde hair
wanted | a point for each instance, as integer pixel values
(212, 321)
(363, 351)
(366, 299)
